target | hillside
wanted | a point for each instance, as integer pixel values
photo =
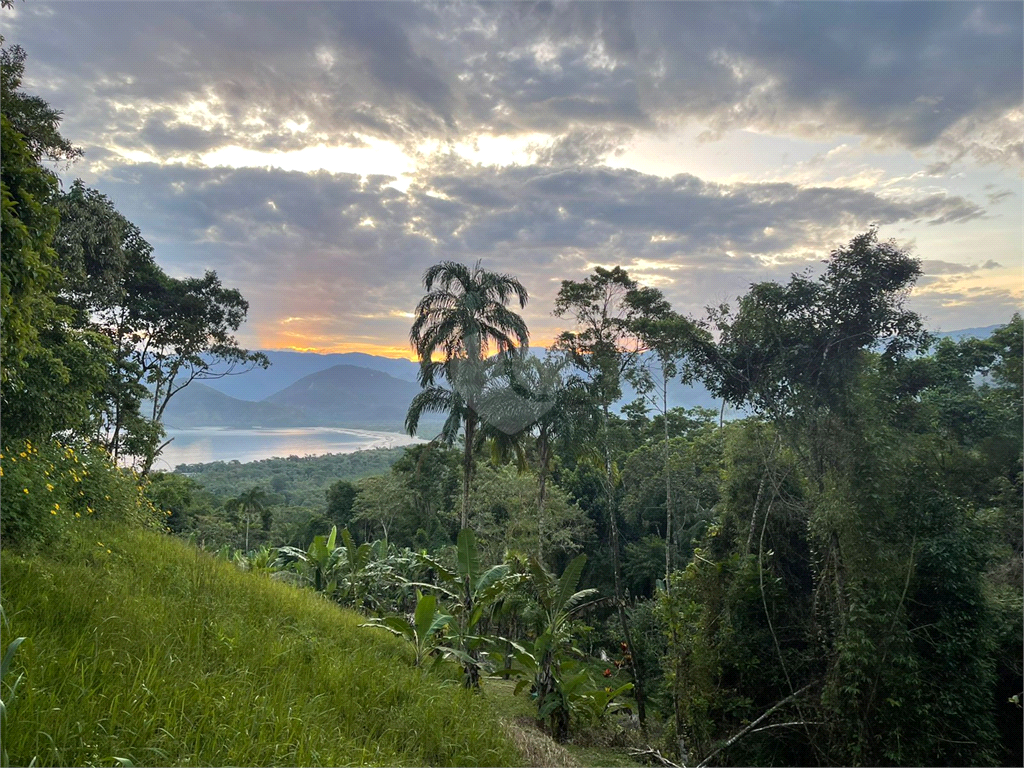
(287, 367)
(199, 405)
(144, 649)
(349, 395)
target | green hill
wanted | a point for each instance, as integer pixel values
(144, 649)
(198, 405)
(348, 394)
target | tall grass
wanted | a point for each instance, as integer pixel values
(146, 649)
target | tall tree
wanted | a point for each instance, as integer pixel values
(250, 505)
(539, 397)
(165, 332)
(29, 131)
(605, 307)
(667, 335)
(187, 334)
(462, 318)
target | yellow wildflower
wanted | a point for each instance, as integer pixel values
(78, 514)
(49, 487)
(22, 454)
(56, 506)
(25, 489)
(108, 551)
(89, 510)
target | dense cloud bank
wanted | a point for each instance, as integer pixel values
(189, 77)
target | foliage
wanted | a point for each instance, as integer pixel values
(423, 632)
(506, 516)
(543, 663)
(29, 219)
(473, 590)
(827, 593)
(302, 481)
(463, 315)
(798, 345)
(251, 506)
(49, 488)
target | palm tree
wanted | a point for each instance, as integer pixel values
(249, 505)
(460, 320)
(539, 398)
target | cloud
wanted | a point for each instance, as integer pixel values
(298, 247)
(939, 267)
(940, 76)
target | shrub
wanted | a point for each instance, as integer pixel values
(48, 487)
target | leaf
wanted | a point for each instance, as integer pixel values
(542, 580)
(576, 602)
(332, 538)
(9, 656)
(440, 620)
(490, 578)
(426, 606)
(441, 571)
(568, 581)
(468, 557)
(346, 539)
(425, 585)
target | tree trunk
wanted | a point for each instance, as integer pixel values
(467, 468)
(620, 601)
(668, 486)
(543, 477)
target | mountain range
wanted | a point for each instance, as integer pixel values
(351, 389)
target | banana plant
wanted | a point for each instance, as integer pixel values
(544, 664)
(474, 590)
(423, 632)
(318, 565)
(353, 567)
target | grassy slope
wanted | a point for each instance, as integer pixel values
(155, 652)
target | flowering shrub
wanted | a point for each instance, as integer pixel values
(47, 487)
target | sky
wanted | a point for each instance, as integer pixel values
(320, 156)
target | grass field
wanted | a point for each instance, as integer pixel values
(144, 650)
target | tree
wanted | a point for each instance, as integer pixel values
(340, 498)
(795, 347)
(250, 505)
(538, 396)
(28, 271)
(542, 663)
(606, 307)
(187, 335)
(461, 318)
(165, 332)
(842, 552)
(506, 516)
(668, 336)
(385, 501)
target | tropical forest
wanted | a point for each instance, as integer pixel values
(564, 566)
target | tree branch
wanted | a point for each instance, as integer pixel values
(733, 739)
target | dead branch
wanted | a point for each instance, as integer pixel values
(733, 739)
